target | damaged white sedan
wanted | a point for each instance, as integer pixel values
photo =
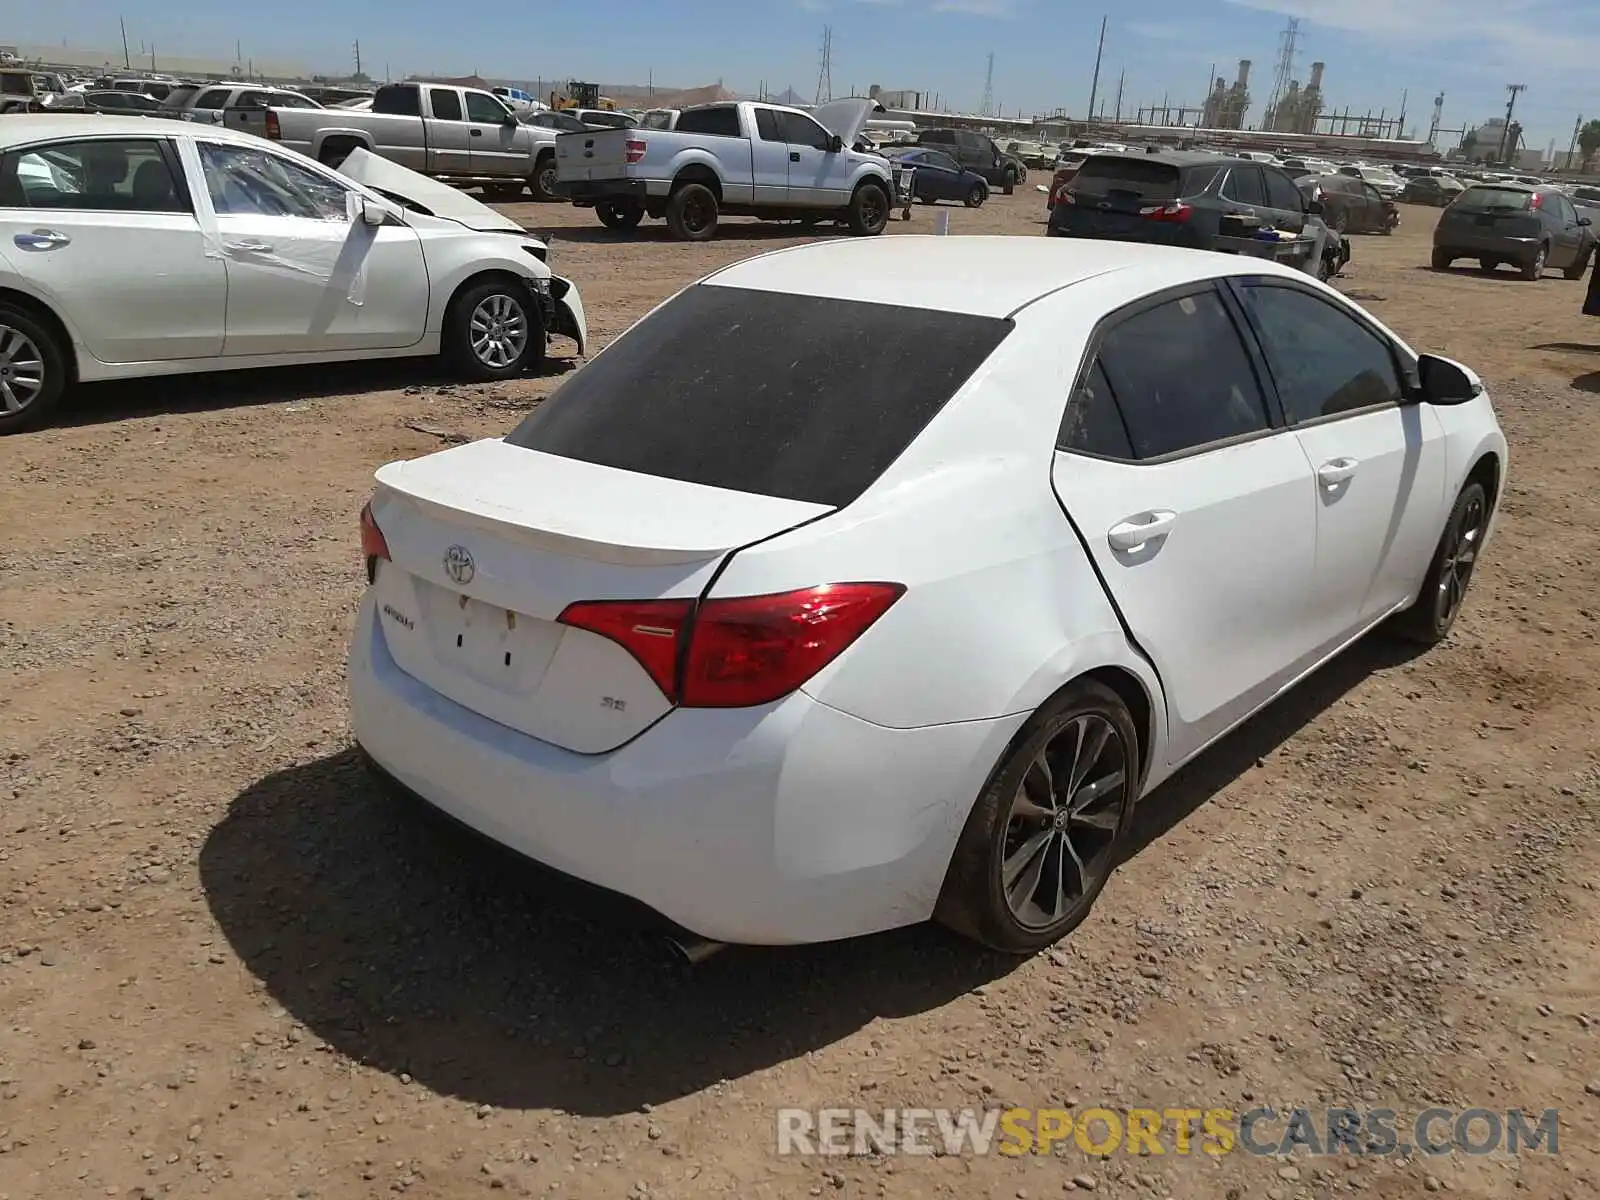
(130, 249)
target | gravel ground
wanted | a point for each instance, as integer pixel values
(230, 967)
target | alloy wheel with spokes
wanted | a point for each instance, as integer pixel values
(499, 331)
(22, 377)
(1460, 556)
(1047, 831)
(1063, 822)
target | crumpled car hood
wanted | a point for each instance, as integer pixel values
(847, 118)
(440, 199)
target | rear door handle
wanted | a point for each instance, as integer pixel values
(249, 247)
(794, 156)
(41, 239)
(1134, 532)
(475, 132)
(1337, 471)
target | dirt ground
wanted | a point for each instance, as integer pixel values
(230, 967)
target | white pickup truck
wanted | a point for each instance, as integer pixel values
(735, 159)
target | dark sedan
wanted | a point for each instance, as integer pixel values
(939, 177)
(1350, 205)
(1436, 190)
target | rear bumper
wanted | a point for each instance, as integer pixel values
(586, 192)
(1466, 242)
(789, 823)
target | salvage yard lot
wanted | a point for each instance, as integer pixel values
(230, 967)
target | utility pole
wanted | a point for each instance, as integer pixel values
(986, 109)
(825, 73)
(1121, 76)
(1512, 89)
(1094, 84)
(126, 60)
(1572, 147)
(358, 59)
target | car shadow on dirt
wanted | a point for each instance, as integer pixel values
(656, 233)
(121, 400)
(1589, 382)
(412, 946)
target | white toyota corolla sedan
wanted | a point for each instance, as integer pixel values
(132, 247)
(865, 582)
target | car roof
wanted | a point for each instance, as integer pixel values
(1180, 158)
(987, 276)
(19, 129)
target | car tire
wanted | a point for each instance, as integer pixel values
(1009, 184)
(333, 155)
(869, 210)
(503, 193)
(1073, 855)
(619, 214)
(1534, 267)
(1580, 265)
(1442, 260)
(977, 196)
(481, 330)
(692, 213)
(1444, 588)
(25, 340)
(543, 180)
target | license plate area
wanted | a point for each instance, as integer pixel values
(490, 645)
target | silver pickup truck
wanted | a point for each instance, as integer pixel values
(737, 159)
(457, 133)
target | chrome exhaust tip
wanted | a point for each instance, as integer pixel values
(692, 951)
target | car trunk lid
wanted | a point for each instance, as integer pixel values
(489, 543)
(598, 154)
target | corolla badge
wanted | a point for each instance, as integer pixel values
(458, 565)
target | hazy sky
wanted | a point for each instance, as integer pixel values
(1044, 49)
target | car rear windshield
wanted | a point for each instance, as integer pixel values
(1492, 199)
(800, 397)
(1152, 180)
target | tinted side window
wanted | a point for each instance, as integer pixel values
(721, 121)
(215, 98)
(801, 130)
(935, 159)
(446, 104)
(1324, 361)
(1281, 192)
(1092, 423)
(939, 137)
(1181, 376)
(1244, 186)
(485, 109)
(767, 127)
(1196, 180)
(399, 99)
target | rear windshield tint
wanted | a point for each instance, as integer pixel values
(797, 397)
(1492, 199)
(1151, 180)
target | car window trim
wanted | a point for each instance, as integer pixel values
(1409, 381)
(165, 146)
(1091, 354)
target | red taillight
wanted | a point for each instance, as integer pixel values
(1535, 202)
(650, 630)
(737, 651)
(636, 148)
(1177, 213)
(373, 547)
(274, 130)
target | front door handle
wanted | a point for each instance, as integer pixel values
(794, 156)
(475, 132)
(249, 246)
(1134, 532)
(41, 239)
(1336, 471)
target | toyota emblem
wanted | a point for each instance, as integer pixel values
(458, 565)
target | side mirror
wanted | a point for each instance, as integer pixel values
(1315, 208)
(835, 143)
(1585, 221)
(375, 212)
(1445, 381)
